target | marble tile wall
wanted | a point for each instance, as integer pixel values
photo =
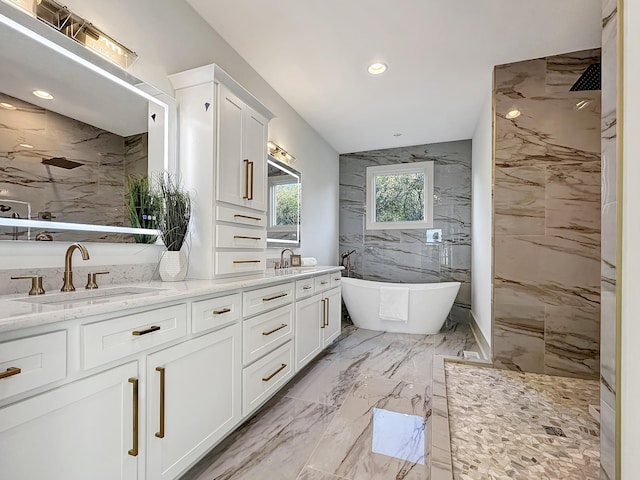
(404, 255)
(609, 234)
(90, 193)
(547, 218)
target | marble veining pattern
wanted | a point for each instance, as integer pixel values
(337, 392)
(497, 421)
(547, 262)
(404, 255)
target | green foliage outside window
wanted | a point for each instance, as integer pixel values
(399, 198)
(286, 201)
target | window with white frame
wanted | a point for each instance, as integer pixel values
(400, 196)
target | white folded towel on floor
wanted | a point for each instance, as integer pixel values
(394, 304)
(309, 262)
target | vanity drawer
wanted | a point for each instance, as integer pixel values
(266, 376)
(31, 362)
(336, 279)
(322, 282)
(109, 340)
(263, 299)
(235, 215)
(240, 262)
(229, 236)
(265, 332)
(215, 312)
(304, 288)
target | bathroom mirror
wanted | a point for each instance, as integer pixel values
(283, 222)
(71, 132)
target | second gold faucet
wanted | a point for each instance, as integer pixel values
(67, 279)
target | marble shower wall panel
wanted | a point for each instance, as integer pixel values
(608, 311)
(90, 193)
(404, 255)
(547, 218)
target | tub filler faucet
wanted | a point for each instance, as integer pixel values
(346, 258)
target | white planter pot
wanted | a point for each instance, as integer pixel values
(173, 266)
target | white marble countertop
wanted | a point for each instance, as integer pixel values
(23, 311)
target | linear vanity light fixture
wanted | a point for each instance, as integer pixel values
(279, 153)
(77, 28)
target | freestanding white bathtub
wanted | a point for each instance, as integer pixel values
(429, 305)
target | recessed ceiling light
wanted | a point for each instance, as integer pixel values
(511, 114)
(8, 106)
(376, 68)
(25, 145)
(43, 94)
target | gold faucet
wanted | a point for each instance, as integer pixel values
(67, 285)
(282, 264)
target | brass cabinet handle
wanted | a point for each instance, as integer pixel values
(151, 329)
(282, 367)
(251, 193)
(247, 261)
(323, 283)
(337, 279)
(247, 216)
(10, 372)
(324, 309)
(268, 299)
(160, 434)
(246, 179)
(307, 287)
(326, 312)
(220, 312)
(275, 329)
(134, 451)
(246, 237)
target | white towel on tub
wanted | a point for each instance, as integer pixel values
(394, 304)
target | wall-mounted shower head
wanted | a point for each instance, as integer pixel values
(61, 162)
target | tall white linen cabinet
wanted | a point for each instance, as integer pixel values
(223, 163)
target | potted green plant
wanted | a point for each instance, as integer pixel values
(140, 208)
(173, 214)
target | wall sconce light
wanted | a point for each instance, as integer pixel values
(279, 153)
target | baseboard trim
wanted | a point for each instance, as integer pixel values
(485, 349)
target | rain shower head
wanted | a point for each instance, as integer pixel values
(61, 162)
(589, 80)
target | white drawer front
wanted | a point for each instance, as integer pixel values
(304, 288)
(265, 332)
(215, 313)
(230, 214)
(240, 262)
(263, 299)
(31, 362)
(322, 282)
(228, 236)
(109, 340)
(336, 279)
(266, 376)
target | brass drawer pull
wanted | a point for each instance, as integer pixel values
(220, 312)
(134, 451)
(323, 283)
(160, 434)
(245, 237)
(246, 179)
(151, 329)
(246, 261)
(307, 287)
(10, 372)
(275, 329)
(247, 216)
(268, 299)
(337, 279)
(266, 379)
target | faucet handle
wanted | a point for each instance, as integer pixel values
(91, 280)
(36, 283)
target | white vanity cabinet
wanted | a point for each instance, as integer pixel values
(193, 399)
(223, 161)
(89, 428)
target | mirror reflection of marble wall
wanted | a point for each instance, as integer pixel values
(92, 193)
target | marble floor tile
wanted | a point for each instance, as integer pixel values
(311, 474)
(345, 448)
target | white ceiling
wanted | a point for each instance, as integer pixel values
(440, 55)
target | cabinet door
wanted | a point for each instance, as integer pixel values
(334, 318)
(232, 171)
(80, 431)
(256, 152)
(309, 319)
(200, 402)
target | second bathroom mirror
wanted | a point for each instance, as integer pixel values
(283, 227)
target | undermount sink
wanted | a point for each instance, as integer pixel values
(89, 297)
